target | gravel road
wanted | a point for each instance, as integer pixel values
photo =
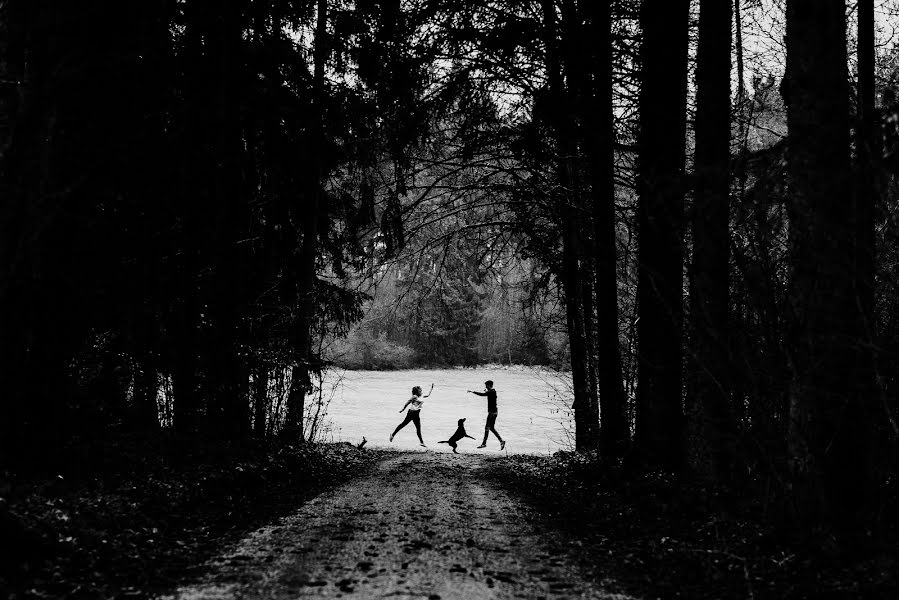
(420, 525)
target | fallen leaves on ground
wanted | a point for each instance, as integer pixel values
(136, 520)
(676, 537)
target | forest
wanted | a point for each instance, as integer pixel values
(693, 207)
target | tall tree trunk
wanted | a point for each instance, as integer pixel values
(600, 147)
(868, 154)
(38, 323)
(660, 419)
(260, 398)
(570, 213)
(588, 304)
(184, 371)
(308, 215)
(146, 376)
(577, 75)
(828, 438)
(225, 66)
(585, 426)
(709, 290)
(146, 390)
(184, 328)
(21, 122)
(869, 147)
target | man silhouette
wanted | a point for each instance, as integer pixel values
(491, 414)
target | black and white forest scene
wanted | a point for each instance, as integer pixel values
(449, 299)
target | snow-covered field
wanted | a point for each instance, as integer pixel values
(533, 408)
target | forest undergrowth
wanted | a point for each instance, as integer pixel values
(146, 513)
(680, 537)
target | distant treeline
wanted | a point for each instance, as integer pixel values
(503, 318)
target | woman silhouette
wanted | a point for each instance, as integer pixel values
(414, 403)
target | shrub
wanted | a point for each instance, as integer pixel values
(363, 350)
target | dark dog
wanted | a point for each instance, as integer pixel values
(460, 433)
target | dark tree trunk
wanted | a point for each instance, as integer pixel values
(146, 388)
(21, 123)
(868, 155)
(37, 328)
(308, 217)
(184, 371)
(588, 303)
(709, 289)
(828, 438)
(146, 374)
(659, 411)
(576, 93)
(570, 214)
(585, 424)
(225, 66)
(184, 330)
(869, 148)
(260, 399)
(600, 146)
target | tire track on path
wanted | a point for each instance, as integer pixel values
(421, 525)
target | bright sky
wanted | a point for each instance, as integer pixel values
(763, 32)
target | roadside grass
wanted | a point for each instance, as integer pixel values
(659, 536)
(142, 514)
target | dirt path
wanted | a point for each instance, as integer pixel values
(421, 525)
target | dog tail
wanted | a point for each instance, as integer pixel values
(444, 442)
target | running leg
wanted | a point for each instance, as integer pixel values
(416, 418)
(405, 422)
(487, 430)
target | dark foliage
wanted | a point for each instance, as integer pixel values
(138, 515)
(675, 537)
(196, 196)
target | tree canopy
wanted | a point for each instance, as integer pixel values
(690, 206)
